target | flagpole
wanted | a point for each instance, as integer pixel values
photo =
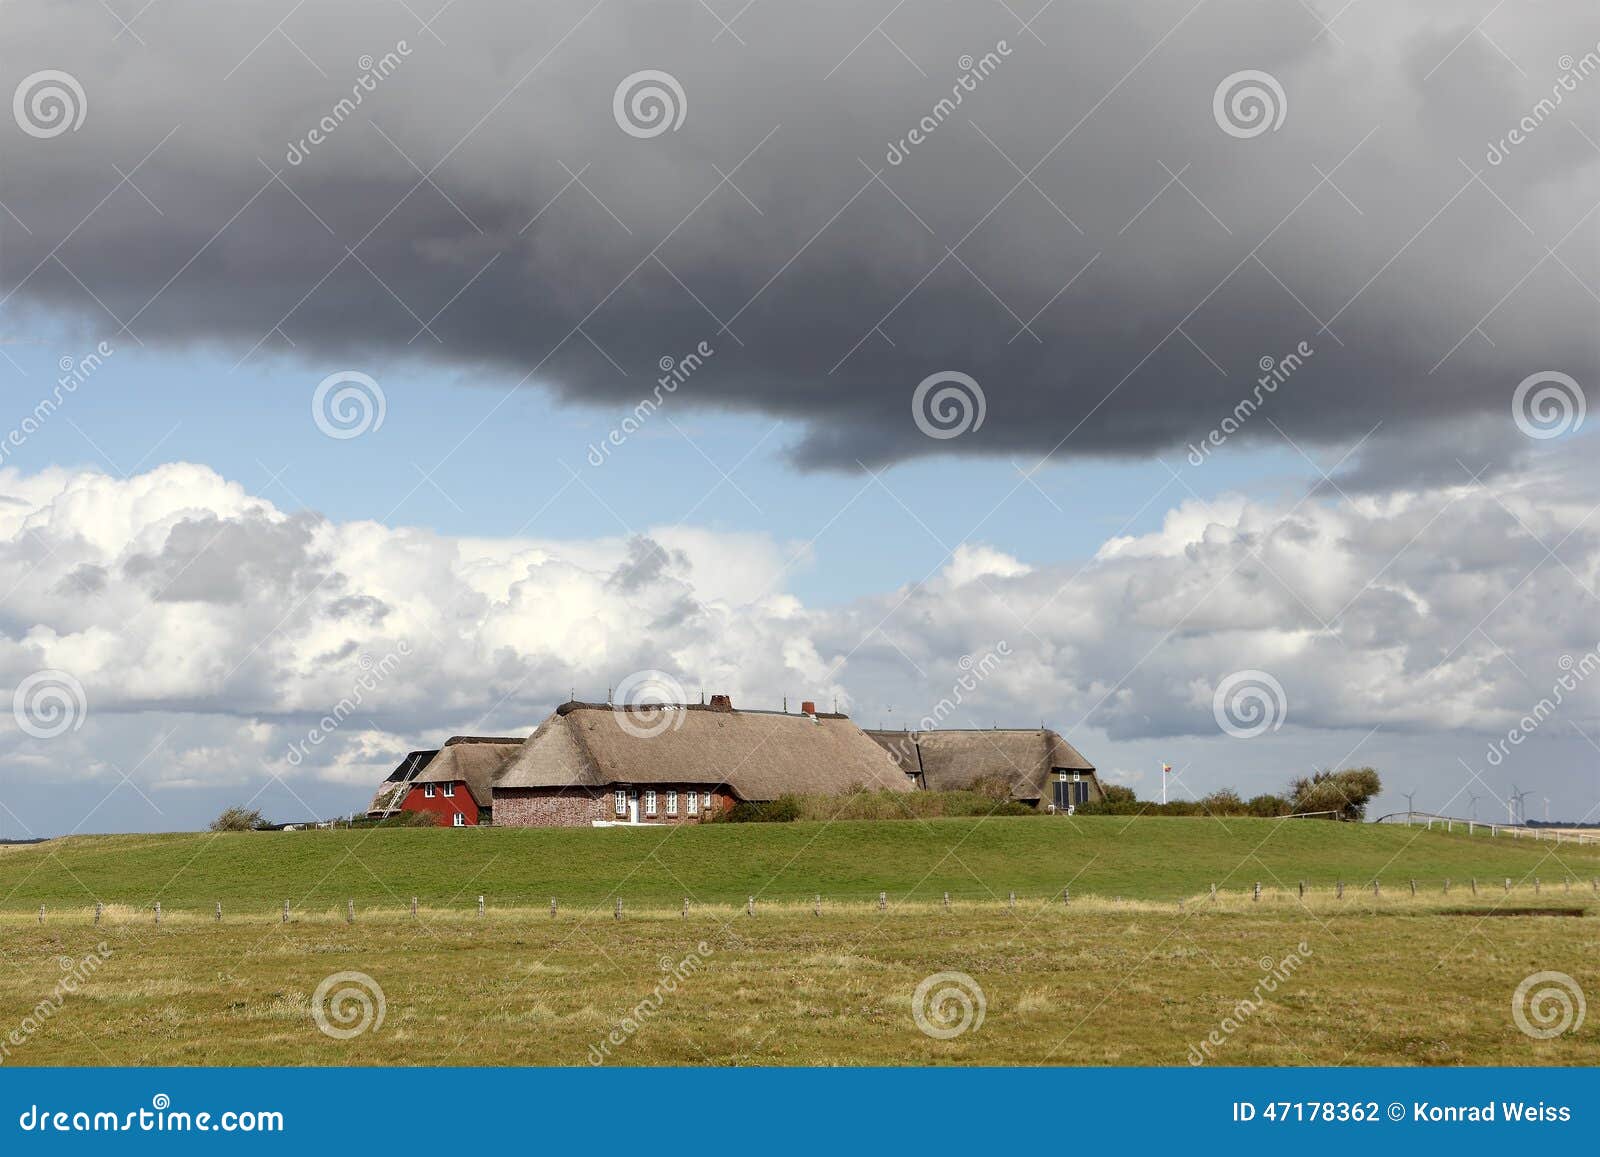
(1163, 785)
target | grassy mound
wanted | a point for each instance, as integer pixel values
(1157, 859)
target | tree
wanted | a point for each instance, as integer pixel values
(1345, 793)
(238, 819)
(1117, 793)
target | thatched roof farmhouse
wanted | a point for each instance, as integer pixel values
(1037, 765)
(601, 763)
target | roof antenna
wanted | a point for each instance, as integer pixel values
(702, 696)
(786, 705)
(608, 697)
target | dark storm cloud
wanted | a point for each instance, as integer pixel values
(1119, 300)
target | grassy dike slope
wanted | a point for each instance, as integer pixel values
(1149, 858)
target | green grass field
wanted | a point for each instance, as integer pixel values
(1125, 974)
(1157, 859)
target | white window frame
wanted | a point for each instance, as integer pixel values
(449, 790)
(694, 803)
(427, 791)
(672, 803)
(706, 803)
(460, 821)
(649, 803)
(622, 802)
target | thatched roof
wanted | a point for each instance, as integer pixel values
(473, 760)
(759, 755)
(393, 789)
(951, 760)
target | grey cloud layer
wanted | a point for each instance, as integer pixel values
(548, 243)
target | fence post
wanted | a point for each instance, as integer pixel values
(750, 906)
(686, 907)
(883, 901)
(1338, 890)
(219, 911)
(1011, 903)
(552, 907)
(41, 913)
(1508, 883)
(816, 904)
(1258, 892)
(285, 911)
(1474, 883)
(480, 906)
(1536, 885)
(618, 912)
(1413, 888)
(98, 909)
(1566, 884)
(1374, 885)
(158, 913)
(1066, 895)
(1213, 893)
(349, 911)
(1447, 885)
(947, 901)
(1302, 889)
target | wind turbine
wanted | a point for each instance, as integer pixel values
(1516, 804)
(1472, 805)
(1411, 797)
(1546, 809)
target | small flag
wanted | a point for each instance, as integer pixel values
(1166, 769)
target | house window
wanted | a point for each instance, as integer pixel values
(622, 803)
(449, 789)
(672, 803)
(460, 820)
(707, 801)
(427, 791)
(649, 803)
(694, 803)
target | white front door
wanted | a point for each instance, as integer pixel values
(633, 807)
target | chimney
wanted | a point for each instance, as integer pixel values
(721, 703)
(807, 707)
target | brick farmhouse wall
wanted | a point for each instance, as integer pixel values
(571, 807)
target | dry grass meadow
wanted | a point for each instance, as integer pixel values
(1388, 981)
